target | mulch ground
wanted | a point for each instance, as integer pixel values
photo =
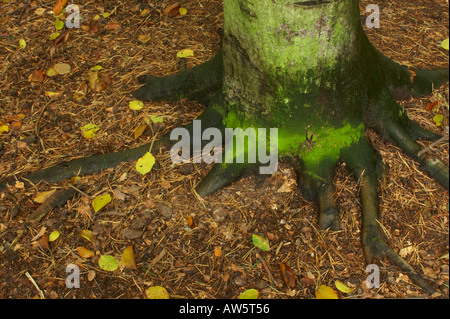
(193, 247)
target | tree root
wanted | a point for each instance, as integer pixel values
(373, 242)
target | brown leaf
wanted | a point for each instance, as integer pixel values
(43, 242)
(15, 126)
(431, 106)
(59, 5)
(112, 26)
(191, 222)
(36, 76)
(288, 275)
(172, 10)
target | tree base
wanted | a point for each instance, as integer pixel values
(204, 83)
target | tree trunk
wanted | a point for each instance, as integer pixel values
(307, 69)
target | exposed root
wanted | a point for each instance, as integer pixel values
(373, 242)
(199, 83)
(319, 190)
(221, 175)
(435, 168)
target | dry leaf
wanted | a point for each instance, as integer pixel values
(325, 292)
(36, 76)
(288, 275)
(84, 252)
(138, 131)
(128, 260)
(59, 5)
(112, 26)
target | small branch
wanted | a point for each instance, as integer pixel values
(41, 294)
(429, 147)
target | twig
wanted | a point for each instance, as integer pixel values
(35, 284)
(428, 148)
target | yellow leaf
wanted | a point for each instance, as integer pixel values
(87, 234)
(52, 94)
(261, 242)
(89, 130)
(185, 53)
(96, 68)
(4, 128)
(157, 292)
(106, 15)
(51, 72)
(156, 119)
(144, 38)
(325, 292)
(445, 44)
(59, 24)
(22, 44)
(136, 105)
(53, 236)
(138, 131)
(96, 17)
(438, 119)
(41, 197)
(84, 252)
(343, 287)
(182, 11)
(54, 35)
(145, 163)
(249, 294)
(128, 260)
(101, 201)
(108, 263)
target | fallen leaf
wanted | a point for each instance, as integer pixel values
(89, 130)
(4, 128)
(431, 106)
(288, 275)
(59, 5)
(157, 292)
(343, 287)
(145, 163)
(91, 275)
(182, 11)
(53, 94)
(15, 125)
(97, 68)
(325, 292)
(136, 105)
(101, 201)
(217, 251)
(108, 263)
(87, 234)
(84, 252)
(62, 68)
(445, 44)
(59, 25)
(39, 234)
(261, 242)
(54, 35)
(128, 260)
(139, 130)
(172, 10)
(144, 38)
(249, 294)
(119, 195)
(94, 81)
(42, 196)
(438, 119)
(54, 235)
(185, 53)
(191, 222)
(36, 76)
(22, 44)
(112, 26)
(43, 242)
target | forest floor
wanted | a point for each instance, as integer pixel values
(193, 247)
